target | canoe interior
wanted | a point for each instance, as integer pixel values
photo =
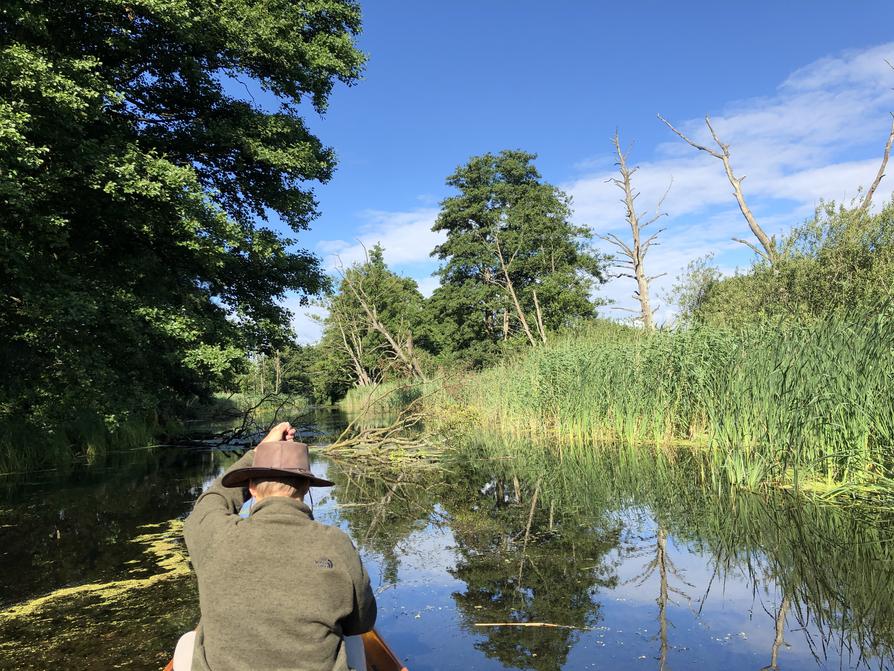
(379, 656)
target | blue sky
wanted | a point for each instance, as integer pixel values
(799, 89)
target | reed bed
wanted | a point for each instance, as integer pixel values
(390, 396)
(808, 405)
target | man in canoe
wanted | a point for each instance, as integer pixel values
(277, 590)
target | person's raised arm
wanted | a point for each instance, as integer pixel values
(218, 506)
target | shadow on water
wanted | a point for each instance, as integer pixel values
(630, 561)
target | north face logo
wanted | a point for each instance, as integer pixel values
(324, 563)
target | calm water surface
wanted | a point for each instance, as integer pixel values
(634, 565)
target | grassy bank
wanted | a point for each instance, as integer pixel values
(390, 396)
(793, 405)
(30, 445)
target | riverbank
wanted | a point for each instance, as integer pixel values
(31, 445)
(804, 406)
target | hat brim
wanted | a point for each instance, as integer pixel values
(240, 476)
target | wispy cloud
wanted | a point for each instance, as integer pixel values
(408, 241)
(820, 136)
(406, 236)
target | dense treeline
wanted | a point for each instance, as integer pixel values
(514, 269)
(135, 185)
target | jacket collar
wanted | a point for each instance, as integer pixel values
(281, 504)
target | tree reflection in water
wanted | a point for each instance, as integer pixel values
(552, 578)
(823, 576)
(520, 562)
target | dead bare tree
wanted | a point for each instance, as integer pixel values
(666, 569)
(403, 436)
(353, 345)
(767, 249)
(867, 201)
(634, 254)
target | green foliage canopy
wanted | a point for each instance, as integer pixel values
(351, 351)
(839, 262)
(503, 206)
(134, 187)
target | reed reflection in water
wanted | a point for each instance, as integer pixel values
(750, 581)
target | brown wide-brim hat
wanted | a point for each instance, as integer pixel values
(276, 459)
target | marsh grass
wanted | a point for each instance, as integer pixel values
(794, 405)
(29, 446)
(391, 396)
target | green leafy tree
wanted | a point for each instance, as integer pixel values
(375, 327)
(134, 189)
(512, 263)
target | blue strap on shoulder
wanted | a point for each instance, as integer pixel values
(245, 510)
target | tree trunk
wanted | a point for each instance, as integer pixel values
(635, 253)
(406, 357)
(767, 250)
(511, 289)
(277, 368)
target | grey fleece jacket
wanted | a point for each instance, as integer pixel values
(277, 590)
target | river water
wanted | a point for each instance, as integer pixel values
(630, 562)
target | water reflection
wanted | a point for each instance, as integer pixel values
(755, 581)
(629, 562)
(520, 566)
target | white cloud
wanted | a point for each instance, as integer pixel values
(408, 241)
(406, 236)
(427, 285)
(306, 326)
(820, 136)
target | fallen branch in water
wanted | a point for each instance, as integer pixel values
(402, 438)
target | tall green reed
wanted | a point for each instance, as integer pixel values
(799, 405)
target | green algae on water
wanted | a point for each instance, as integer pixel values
(162, 545)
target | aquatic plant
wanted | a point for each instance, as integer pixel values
(827, 566)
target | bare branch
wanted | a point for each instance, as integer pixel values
(511, 289)
(769, 244)
(867, 201)
(615, 240)
(651, 239)
(754, 248)
(407, 357)
(658, 212)
(539, 316)
(689, 141)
